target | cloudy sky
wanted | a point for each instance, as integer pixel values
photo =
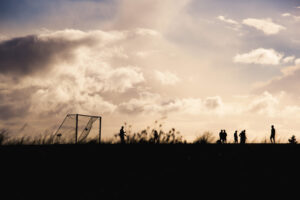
(195, 65)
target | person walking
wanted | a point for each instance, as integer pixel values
(235, 135)
(122, 135)
(272, 137)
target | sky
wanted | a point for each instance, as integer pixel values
(195, 65)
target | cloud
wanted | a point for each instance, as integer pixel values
(259, 56)
(296, 18)
(264, 104)
(156, 14)
(125, 78)
(297, 61)
(213, 102)
(288, 59)
(69, 71)
(32, 54)
(15, 103)
(227, 20)
(145, 103)
(286, 14)
(166, 78)
(232, 24)
(3, 37)
(116, 80)
(90, 72)
(150, 103)
(287, 82)
(37, 52)
(265, 25)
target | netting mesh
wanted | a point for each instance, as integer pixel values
(87, 129)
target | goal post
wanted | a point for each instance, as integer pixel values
(79, 128)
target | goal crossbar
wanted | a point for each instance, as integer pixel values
(85, 115)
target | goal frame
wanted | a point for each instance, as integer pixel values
(76, 125)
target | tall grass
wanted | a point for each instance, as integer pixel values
(206, 138)
(3, 136)
(149, 135)
(47, 139)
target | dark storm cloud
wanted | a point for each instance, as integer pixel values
(58, 109)
(8, 112)
(15, 103)
(17, 95)
(26, 55)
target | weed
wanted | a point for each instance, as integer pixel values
(205, 138)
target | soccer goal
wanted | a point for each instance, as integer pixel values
(78, 128)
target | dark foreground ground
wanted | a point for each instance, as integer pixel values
(148, 171)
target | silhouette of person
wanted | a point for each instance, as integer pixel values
(243, 137)
(221, 136)
(224, 136)
(235, 137)
(122, 135)
(272, 137)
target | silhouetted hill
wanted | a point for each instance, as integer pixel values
(148, 171)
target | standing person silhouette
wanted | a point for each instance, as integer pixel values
(122, 135)
(272, 137)
(221, 136)
(235, 137)
(225, 136)
(243, 137)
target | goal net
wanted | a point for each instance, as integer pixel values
(77, 128)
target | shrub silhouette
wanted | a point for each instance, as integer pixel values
(205, 138)
(293, 140)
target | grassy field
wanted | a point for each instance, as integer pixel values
(148, 171)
